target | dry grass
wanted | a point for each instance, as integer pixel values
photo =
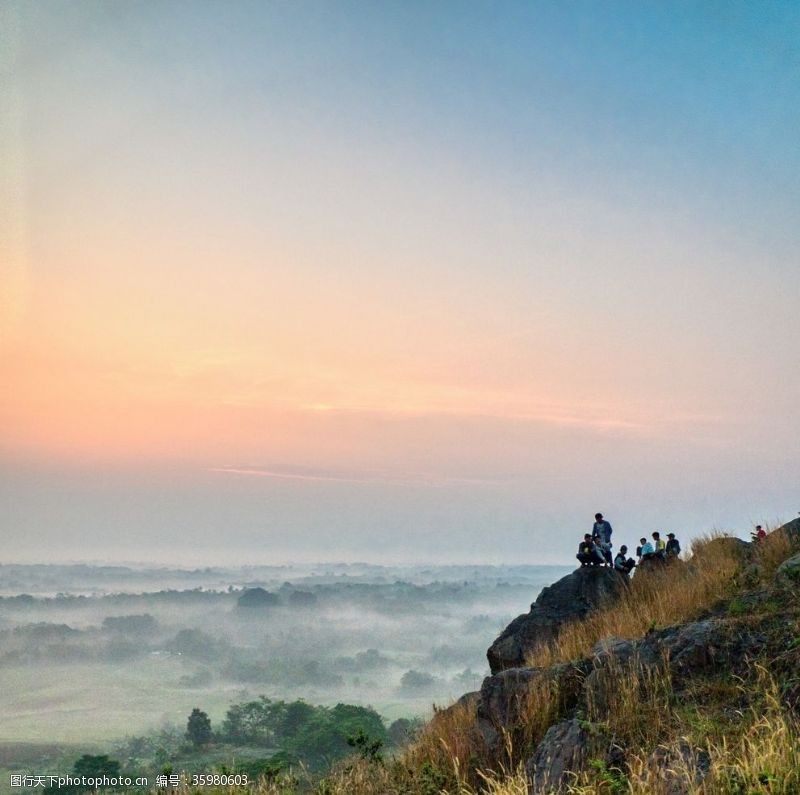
(502, 783)
(674, 594)
(449, 742)
(542, 705)
(761, 757)
(771, 551)
(360, 777)
(630, 701)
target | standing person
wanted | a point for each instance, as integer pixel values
(673, 546)
(601, 532)
(602, 528)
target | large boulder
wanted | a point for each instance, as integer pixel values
(513, 699)
(569, 599)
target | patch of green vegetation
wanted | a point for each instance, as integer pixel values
(611, 779)
(738, 607)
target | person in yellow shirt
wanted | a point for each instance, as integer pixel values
(659, 545)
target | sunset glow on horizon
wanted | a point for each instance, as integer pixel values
(404, 266)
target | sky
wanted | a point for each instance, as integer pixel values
(395, 281)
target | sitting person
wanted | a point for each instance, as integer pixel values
(605, 549)
(659, 545)
(759, 533)
(646, 550)
(673, 546)
(589, 553)
(623, 564)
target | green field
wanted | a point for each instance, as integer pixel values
(96, 703)
(91, 703)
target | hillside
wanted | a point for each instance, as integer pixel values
(681, 679)
(684, 680)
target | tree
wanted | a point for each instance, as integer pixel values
(96, 766)
(254, 722)
(198, 728)
(195, 643)
(367, 748)
(297, 714)
(258, 597)
(130, 625)
(90, 766)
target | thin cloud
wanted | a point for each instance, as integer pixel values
(431, 481)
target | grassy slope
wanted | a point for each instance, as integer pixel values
(742, 727)
(737, 726)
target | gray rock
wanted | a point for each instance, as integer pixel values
(502, 703)
(788, 573)
(678, 770)
(687, 649)
(792, 528)
(569, 599)
(565, 749)
(618, 648)
(694, 646)
(505, 704)
(470, 699)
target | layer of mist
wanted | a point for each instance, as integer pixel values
(94, 653)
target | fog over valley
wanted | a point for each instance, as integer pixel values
(107, 651)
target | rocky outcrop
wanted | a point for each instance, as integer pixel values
(542, 714)
(569, 599)
(686, 649)
(508, 700)
(508, 706)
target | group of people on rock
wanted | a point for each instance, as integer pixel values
(595, 549)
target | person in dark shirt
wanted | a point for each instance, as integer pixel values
(588, 552)
(602, 528)
(623, 564)
(673, 546)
